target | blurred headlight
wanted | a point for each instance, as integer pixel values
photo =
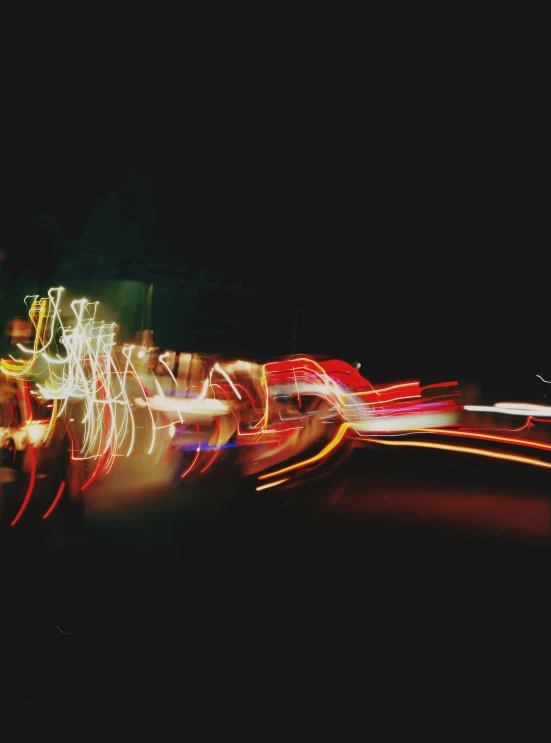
(36, 433)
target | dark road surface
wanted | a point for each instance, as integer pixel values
(395, 571)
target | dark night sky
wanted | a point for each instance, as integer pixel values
(408, 217)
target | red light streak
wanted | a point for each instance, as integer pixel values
(439, 384)
(99, 465)
(217, 450)
(56, 500)
(196, 457)
(30, 487)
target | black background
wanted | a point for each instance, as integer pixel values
(398, 206)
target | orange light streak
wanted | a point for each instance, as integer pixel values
(272, 484)
(465, 450)
(315, 458)
(487, 437)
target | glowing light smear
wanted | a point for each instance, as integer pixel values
(271, 412)
(74, 366)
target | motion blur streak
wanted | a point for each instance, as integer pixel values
(30, 486)
(272, 484)
(323, 453)
(464, 450)
(88, 371)
(273, 413)
(87, 374)
(216, 451)
(55, 501)
(197, 453)
(490, 437)
(512, 408)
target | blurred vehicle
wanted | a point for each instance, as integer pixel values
(19, 426)
(296, 408)
(38, 480)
